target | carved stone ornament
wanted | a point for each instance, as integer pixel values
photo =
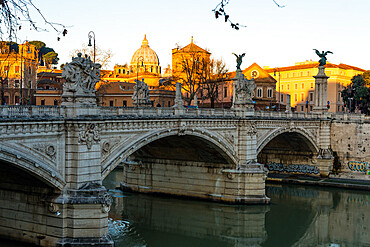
(81, 75)
(46, 148)
(141, 94)
(90, 135)
(244, 89)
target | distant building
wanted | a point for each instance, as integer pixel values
(116, 86)
(49, 87)
(144, 64)
(299, 83)
(18, 65)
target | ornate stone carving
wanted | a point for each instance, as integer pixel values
(46, 148)
(141, 94)
(251, 128)
(107, 145)
(89, 135)
(243, 90)
(81, 75)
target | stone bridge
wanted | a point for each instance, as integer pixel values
(53, 159)
(52, 164)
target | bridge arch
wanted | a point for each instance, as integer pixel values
(127, 149)
(289, 146)
(34, 166)
(305, 136)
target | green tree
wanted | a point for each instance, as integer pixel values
(43, 50)
(357, 94)
(51, 58)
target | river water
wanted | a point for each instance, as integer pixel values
(297, 216)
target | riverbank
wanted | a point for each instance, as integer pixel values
(357, 183)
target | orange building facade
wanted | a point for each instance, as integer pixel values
(18, 73)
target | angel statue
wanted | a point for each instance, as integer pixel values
(239, 60)
(322, 56)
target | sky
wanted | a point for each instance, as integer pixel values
(274, 36)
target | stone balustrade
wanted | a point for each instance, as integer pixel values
(28, 111)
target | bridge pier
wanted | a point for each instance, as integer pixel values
(217, 182)
(325, 157)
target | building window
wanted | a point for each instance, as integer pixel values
(42, 102)
(6, 83)
(6, 68)
(225, 92)
(55, 102)
(288, 87)
(111, 103)
(339, 97)
(302, 96)
(310, 107)
(124, 103)
(338, 108)
(169, 103)
(295, 97)
(282, 87)
(311, 96)
(259, 92)
(269, 92)
(302, 85)
(296, 86)
(16, 69)
(282, 98)
(302, 108)
(308, 73)
(311, 84)
(16, 100)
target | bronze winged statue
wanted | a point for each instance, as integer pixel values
(322, 56)
(239, 59)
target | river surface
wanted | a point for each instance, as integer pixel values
(297, 216)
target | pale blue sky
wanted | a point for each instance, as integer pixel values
(273, 37)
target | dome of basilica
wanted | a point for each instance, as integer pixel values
(149, 57)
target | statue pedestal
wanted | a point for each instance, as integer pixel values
(321, 91)
(78, 104)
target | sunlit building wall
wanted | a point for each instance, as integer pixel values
(298, 81)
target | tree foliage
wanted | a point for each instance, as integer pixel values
(356, 95)
(16, 13)
(43, 50)
(101, 56)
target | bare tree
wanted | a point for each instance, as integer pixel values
(101, 56)
(219, 10)
(15, 13)
(211, 73)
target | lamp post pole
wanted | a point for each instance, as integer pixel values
(21, 92)
(91, 35)
(139, 59)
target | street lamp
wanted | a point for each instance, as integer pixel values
(277, 69)
(91, 35)
(21, 91)
(139, 59)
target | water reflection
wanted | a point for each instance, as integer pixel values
(298, 216)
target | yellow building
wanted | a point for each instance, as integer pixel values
(18, 65)
(299, 83)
